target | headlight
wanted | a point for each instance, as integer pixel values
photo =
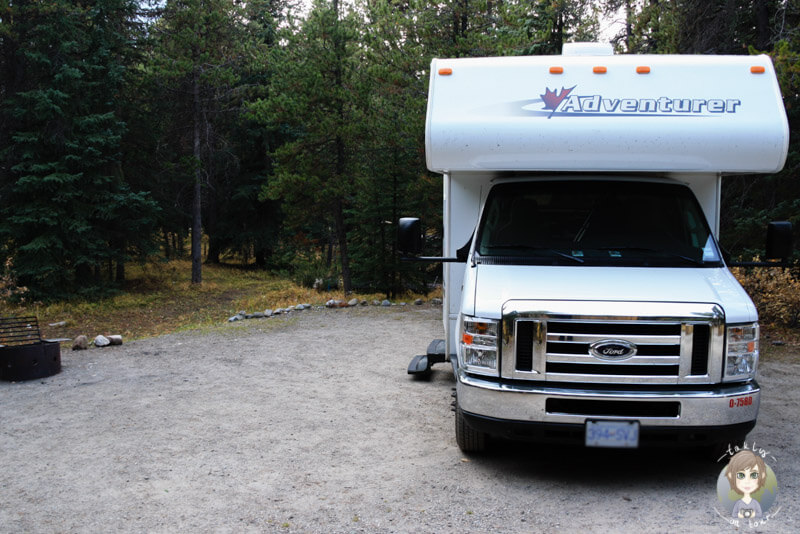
(741, 352)
(479, 341)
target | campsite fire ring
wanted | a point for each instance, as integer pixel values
(24, 355)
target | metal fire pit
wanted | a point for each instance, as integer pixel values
(24, 355)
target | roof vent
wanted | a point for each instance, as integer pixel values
(587, 49)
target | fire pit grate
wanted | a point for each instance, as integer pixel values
(24, 355)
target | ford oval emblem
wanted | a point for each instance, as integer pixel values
(612, 350)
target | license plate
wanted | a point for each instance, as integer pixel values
(622, 434)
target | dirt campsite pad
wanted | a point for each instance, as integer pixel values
(309, 423)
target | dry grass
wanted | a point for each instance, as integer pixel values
(159, 298)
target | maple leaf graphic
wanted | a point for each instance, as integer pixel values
(552, 99)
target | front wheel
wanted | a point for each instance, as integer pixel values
(468, 439)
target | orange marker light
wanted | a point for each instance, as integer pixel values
(556, 70)
(599, 70)
(643, 69)
(467, 339)
(446, 71)
(758, 69)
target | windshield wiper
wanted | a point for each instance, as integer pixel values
(520, 246)
(657, 251)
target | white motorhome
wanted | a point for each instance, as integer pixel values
(586, 297)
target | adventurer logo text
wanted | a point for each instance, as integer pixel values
(568, 102)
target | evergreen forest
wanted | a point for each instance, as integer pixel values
(288, 135)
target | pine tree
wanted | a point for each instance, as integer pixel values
(317, 93)
(236, 220)
(202, 51)
(62, 185)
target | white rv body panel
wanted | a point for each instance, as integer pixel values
(685, 114)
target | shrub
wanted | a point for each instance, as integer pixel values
(775, 292)
(313, 273)
(9, 289)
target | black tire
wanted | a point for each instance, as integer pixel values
(468, 439)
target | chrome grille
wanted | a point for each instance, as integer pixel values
(543, 343)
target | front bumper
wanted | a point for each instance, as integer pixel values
(695, 414)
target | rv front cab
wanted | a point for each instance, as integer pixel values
(596, 305)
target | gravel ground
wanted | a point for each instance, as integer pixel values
(309, 423)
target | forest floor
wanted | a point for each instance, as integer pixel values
(158, 298)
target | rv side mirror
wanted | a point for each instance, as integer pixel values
(409, 235)
(779, 240)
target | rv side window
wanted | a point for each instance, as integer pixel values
(596, 222)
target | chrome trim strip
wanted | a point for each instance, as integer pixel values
(593, 338)
(633, 360)
(612, 379)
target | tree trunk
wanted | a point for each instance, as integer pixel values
(167, 246)
(213, 251)
(628, 25)
(197, 223)
(762, 25)
(120, 274)
(341, 236)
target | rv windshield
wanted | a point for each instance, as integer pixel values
(595, 222)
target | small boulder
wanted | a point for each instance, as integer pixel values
(80, 343)
(418, 302)
(115, 340)
(268, 313)
(386, 303)
(101, 341)
(352, 302)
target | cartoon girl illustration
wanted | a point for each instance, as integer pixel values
(746, 474)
